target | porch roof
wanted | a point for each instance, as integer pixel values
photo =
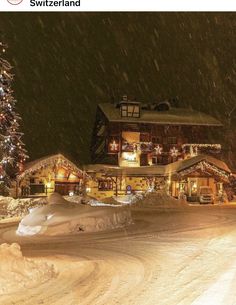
(179, 166)
(156, 170)
(114, 171)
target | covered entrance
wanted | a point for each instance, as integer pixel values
(196, 173)
(67, 188)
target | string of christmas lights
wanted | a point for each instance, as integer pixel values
(12, 151)
(203, 165)
(53, 161)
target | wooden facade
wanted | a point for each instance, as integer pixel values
(154, 137)
(180, 177)
(155, 146)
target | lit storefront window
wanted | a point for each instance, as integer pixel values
(130, 159)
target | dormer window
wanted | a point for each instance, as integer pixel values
(130, 109)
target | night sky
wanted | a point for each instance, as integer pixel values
(67, 63)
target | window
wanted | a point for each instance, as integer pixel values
(156, 140)
(154, 160)
(105, 185)
(172, 140)
(130, 110)
(144, 137)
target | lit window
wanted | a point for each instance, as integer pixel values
(105, 185)
(130, 110)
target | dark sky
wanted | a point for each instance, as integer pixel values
(66, 63)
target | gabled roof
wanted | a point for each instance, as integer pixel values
(179, 166)
(174, 116)
(57, 159)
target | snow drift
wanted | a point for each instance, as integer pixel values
(157, 199)
(18, 272)
(160, 199)
(63, 217)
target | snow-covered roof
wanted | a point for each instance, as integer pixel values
(179, 166)
(158, 170)
(174, 116)
(57, 159)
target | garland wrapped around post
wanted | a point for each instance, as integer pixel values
(12, 151)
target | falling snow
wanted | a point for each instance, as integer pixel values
(66, 64)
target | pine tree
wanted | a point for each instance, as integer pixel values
(12, 151)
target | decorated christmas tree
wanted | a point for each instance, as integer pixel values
(12, 151)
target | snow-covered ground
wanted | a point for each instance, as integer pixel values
(18, 273)
(61, 216)
(183, 256)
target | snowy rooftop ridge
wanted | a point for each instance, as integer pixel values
(57, 159)
(179, 116)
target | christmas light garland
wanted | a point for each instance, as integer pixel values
(13, 153)
(210, 146)
(56, 160)
(203, 165)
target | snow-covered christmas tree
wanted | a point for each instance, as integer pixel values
(12, 151)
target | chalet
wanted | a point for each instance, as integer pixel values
(49, 174)
(136, 146)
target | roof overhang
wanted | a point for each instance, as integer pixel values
(53, 160)
(176, 169)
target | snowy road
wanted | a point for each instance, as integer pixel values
(168, 257)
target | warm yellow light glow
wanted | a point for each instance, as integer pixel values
(61, 173)
(129, 156)
(114, 146)
(194, 186)
(49, 184)
(88, 189)
(72, 177)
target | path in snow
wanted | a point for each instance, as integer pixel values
(174, 257)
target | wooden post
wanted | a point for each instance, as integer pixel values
(16, 188)
(116, 187)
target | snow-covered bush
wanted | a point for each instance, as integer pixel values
(20, 207)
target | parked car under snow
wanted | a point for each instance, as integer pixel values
(63, 217)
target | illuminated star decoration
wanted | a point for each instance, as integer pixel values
(174, 152)
(114, 146)
(158, 150)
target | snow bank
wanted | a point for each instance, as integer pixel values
(85, 199)
(64, 217)
(18, 272)
(160, 199)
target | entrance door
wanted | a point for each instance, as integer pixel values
(143, 160)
